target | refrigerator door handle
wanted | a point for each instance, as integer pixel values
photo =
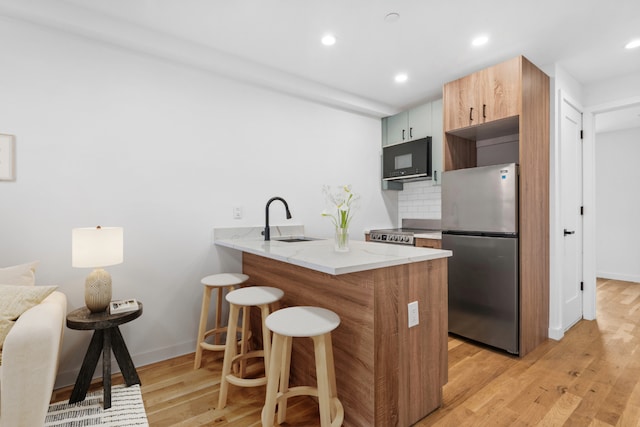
(567, 232)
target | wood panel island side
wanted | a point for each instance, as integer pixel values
(387, 373)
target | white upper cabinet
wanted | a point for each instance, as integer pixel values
(419, 122)
(408, 125)
(396, 128)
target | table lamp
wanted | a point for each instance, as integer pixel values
(97, 248)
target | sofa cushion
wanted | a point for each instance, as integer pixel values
(15, 300)
(23, 274)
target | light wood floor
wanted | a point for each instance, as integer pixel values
(590, 378)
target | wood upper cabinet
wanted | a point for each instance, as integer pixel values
(487, 95)
(500, 91)
(459, 99)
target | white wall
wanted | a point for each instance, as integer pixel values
(106, 136)
(603, 96)
(618, 205)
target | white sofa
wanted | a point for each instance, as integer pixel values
(30, 358)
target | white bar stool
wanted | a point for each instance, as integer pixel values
(219, 282)
(245, 298)
(316, 323)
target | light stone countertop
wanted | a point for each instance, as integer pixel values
(320, 255)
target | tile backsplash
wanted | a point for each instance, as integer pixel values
(420, 199)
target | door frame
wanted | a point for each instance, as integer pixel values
(589, 196)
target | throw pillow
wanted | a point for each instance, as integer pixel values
(15, 300)
(23, 274)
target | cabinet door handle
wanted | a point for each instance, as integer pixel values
(471, 114)
(567, 232)
(484, 111)
(410, 132)
(403, 134)
(435, 176)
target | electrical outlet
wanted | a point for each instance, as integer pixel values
(413, 314)
(237, 212)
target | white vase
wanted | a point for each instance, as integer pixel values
(97, 290)
(342, 240)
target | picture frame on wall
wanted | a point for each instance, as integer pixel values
(7, 157)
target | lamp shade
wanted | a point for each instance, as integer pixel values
(97, 247)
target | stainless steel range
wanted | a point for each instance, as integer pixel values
(406, 234)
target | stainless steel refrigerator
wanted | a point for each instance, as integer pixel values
(480, 226)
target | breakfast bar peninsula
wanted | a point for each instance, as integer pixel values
(388, 374)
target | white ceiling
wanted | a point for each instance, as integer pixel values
(276, 43)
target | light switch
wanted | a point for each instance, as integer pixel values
(7, 147)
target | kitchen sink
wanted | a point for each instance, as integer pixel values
(295, 239)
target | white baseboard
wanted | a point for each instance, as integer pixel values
(69, 377)
(556, 333)
(618, 276)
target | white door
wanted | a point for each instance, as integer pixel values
(571, 202)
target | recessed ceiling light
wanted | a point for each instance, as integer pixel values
(480, 40)
(329, 40)
(401, 78)
(392, 17)
(633, 44)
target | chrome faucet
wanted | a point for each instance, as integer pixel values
(267, 231)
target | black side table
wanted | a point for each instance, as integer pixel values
(106, 337)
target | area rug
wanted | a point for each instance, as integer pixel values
(127, 409)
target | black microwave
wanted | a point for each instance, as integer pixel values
(407, 160)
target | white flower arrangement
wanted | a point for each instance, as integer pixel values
(341, 200)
